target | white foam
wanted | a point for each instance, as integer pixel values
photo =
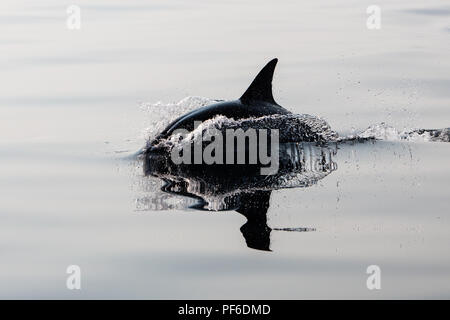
(383, 131)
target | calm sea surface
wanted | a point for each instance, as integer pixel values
(75, 105)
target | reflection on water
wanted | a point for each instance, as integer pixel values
(248, 193)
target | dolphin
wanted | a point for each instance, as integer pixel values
(257, 102)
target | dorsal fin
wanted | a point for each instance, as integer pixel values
(261, 87)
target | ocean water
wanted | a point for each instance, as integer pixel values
(76, 106)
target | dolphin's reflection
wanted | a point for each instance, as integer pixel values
(300, 165)
(254, 207)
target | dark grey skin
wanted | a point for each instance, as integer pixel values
(257, 101)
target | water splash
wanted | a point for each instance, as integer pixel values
(386, 132)
(161, 114)
(164, 113)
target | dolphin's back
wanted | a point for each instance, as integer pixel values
(257, 101)
(231, 109)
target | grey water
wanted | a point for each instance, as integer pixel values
(76, 105)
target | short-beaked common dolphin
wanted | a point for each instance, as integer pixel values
(257, 102)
